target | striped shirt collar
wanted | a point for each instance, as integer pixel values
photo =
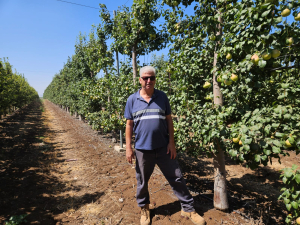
(155, 94)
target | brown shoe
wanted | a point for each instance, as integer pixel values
(145, 215)
(194, 217)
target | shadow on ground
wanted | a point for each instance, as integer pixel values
(26, 157)
(254, 195)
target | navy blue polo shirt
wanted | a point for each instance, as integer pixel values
(149, 119)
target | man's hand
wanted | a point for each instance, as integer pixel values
(129, 155)
(171, 146)
(172, 150)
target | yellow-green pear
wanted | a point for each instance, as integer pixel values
(255, 59)
(289, 41)
(288, 144)
(266, 56)
(236, 140)
(207, 85)
(228, 56)
(285, 12)
(234, 77)
(227, 82)
(275, 53)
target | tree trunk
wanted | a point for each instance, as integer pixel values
(134, 63)
(220, 187)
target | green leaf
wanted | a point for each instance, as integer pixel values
(288, 172)
(266, 13)
(233, 153)
(267, 129)
(294, 166)
(286, 201)
(276, 150)
(264, 158)
(262, 63)
(267, 152)
(278, 20)
(257, 158)
(246, 147)
(297, 178)
(247, 141)
(284, 180)
(277, 134)
(241, 157)
(277, 143)
(294, 204)
(288, 206)
(294, 196)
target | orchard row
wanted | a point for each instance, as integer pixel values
(232, 77)
(15, 92)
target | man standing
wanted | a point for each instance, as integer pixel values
(148, 115)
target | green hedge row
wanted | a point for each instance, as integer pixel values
(15, 91)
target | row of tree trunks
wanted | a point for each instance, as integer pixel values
(8, 111)
(75, 114)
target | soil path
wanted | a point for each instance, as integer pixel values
(57, 170)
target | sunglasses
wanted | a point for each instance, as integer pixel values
(152, 78)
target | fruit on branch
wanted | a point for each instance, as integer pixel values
(213, 37)
(240, 142)
(285, 12)
(234, 77)
(298, 220)
(255, 59)
(152, 36)
(219, 79)
(289, 41)
(236, 140)
(287, 143)
(227, 82)
(207, 85)
(266, 56)
(297, 18)
(275, 53)
(228, 56)
(175, 3)
(208, 97)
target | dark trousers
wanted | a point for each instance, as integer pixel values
(145, 163)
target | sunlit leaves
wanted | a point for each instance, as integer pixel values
(15, 91)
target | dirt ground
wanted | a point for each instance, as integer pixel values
(57, 170)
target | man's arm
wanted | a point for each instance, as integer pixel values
(128, 134)
(171, 145)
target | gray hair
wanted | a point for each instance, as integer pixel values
(146, 69)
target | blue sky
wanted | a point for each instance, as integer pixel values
(38, 36)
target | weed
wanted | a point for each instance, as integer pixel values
(15, 220)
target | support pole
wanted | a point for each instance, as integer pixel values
(117, 59)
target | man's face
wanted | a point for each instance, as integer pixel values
(146, 82)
